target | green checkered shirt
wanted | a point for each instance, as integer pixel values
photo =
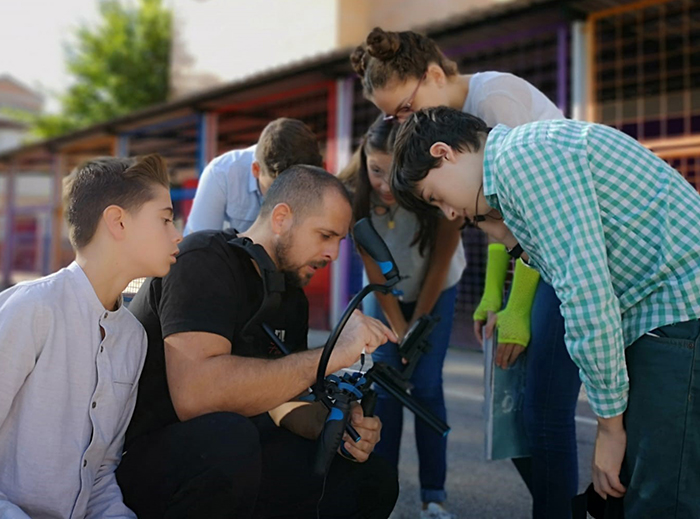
(613, 228)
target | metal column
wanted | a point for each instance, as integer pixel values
(340, 269)
(8, 249)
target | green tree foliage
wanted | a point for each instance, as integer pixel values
(118, 66)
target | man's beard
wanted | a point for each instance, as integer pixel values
(292, 275)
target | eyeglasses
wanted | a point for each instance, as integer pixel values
(406, 108)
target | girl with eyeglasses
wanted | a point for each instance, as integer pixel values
(431, 256)
(401, 73)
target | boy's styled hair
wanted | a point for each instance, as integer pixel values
(98, 183)
(412, 159)
(285, 142)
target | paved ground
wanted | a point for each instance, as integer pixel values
(476, 488)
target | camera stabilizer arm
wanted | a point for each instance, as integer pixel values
(338, 393)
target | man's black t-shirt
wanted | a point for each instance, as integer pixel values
(214, 287)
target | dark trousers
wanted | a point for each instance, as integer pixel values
(223, 465)
(551, 393)
(427, 389)
(662, 463)
(549, 408)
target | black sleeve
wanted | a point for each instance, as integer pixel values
(202, 293)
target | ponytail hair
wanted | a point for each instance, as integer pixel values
(404, 55)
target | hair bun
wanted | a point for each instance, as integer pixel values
(382, 45)
(358, 59)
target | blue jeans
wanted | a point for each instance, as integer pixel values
(427, 388)
(662, 460)
(551, 393)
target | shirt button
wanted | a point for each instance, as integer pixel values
(102, 348)
(106, 314)
(84, 463)
(94, 405)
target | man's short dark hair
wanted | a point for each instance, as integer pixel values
(285, 142)
(98, 183)
(412, 160)
(302, 188)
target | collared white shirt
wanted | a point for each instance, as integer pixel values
(228, 195)
(66, 398)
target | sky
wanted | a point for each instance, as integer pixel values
(32, 36)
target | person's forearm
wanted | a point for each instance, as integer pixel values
(497, 261)
(614, 423)
(392, 311)
(514, 319)
(430, 292)
(243, 385)
(388, 303)
(304, 419)
(446, 243)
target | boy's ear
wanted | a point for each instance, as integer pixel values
(281, 218)
(113, 217)
(255, 169)
(442, 150)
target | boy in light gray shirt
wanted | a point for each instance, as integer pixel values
(71, 353)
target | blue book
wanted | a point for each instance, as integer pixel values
(504, 391)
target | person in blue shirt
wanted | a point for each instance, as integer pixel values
(232, 186)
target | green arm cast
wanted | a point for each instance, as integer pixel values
(496, 267)
(514, 320)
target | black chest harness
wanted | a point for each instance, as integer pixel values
(272, 279)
